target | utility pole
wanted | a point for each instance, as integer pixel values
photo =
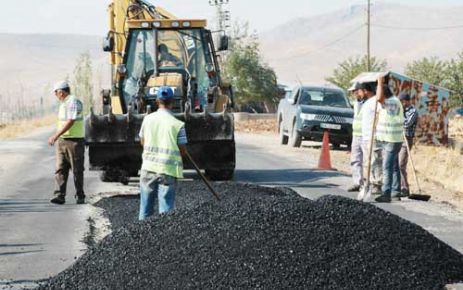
(223, 16)
(368, 36)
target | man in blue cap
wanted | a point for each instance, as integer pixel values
(164, 143)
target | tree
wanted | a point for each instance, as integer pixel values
(252, 79)
(352, 67)
(430, 70)
(454, 80)
(82, 83)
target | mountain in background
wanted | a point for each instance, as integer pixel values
(308, 49)
(32, 63)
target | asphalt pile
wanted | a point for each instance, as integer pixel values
(261, 238)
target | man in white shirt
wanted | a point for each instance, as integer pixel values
(367, 91)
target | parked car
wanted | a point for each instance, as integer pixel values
(308, 111)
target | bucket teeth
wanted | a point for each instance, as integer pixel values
(111, 116)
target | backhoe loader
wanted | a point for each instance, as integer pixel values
(149, 48)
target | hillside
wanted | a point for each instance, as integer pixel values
(310, 48)
(31, 63)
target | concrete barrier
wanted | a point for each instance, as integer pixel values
(243, 117)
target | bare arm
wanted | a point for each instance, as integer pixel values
(380, 90)
(55, 137)
(183, 149)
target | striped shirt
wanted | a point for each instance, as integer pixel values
(411, 119)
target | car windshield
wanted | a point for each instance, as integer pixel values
(323, 98)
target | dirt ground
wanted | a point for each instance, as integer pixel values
(438, 168)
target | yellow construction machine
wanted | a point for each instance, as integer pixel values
(150, 48)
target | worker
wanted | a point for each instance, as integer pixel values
(164, 143)
(410, 121)
(367, 93)
(356, 155)
(70, 148)
(390, 135)
(166, 58)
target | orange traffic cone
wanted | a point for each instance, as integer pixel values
(325, 161)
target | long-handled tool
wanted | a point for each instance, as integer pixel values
(422, 197)
(202, 176)
(365, 191)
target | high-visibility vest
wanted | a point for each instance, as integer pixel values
(357, 122)
(390, 121)
(160, 150)
(78, 129)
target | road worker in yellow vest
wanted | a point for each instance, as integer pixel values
(70, 148)
(389, 133)
(164, 143)
(356, 154)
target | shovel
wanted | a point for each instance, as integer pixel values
(422, 197)
(365, 192)
(208, 184)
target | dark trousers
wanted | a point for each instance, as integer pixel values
(403, 161)
(69, 155)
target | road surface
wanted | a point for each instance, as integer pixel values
(39, 239)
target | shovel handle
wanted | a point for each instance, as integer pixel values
(208, 184)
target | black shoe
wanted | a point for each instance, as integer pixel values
(80, 200)
(58, 199)
(353, 188)
(405, 192)
(383, 198)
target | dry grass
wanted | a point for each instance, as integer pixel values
(257, 126)
(12, 130)
(456, 128)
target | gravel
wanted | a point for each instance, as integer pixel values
(264, 238)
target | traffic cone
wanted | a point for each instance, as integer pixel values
(325, 161)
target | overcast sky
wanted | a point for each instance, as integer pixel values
(89, 16)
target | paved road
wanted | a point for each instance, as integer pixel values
(39, 239)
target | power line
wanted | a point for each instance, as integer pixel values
(417, 28)
(337, 39)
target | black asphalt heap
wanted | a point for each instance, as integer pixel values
(262, 238)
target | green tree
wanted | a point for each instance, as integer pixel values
(430, 70)
(454, 80)
(352, 67)
(253, 80)
(82, 83)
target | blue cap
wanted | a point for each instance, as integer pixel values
(165, 93)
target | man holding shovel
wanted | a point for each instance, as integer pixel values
(411, 118)
(164, 143)
(368, 113)
(389, 134)
(356, 155)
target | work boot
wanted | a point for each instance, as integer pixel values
(405, 192)
(395, 196)
(353, 188)
(383, 199)
(58, 199)
(80, 199)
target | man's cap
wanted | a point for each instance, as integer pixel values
(355, 86)
(404, 96)
(61, 86)
(165, 93)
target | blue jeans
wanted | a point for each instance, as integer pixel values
(391, 169)
(152, 186)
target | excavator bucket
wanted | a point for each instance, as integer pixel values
(114, 144)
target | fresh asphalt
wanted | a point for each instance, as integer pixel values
(39, 239)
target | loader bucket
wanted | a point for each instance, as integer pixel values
(114, 144)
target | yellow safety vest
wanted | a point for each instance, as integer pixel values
(391, 121)
(357, 122)
(160, 151)
(77, 130)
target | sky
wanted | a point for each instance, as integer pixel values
(89, 16)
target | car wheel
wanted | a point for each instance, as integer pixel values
(296, 137)
(336, 145)
(283, 137)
